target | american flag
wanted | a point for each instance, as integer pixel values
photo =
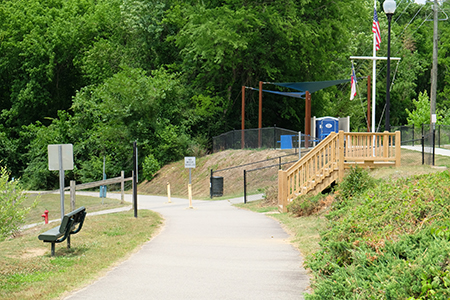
(353, 85)
(376, 30)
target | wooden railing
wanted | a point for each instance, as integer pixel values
(327, 161)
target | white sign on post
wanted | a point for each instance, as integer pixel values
(53, 157)
(60, 157)
(189, 162)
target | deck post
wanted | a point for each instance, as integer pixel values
(340, 155)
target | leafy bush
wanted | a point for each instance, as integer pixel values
(391, 241)
(150, 167)
(355, 182)
(12, 214)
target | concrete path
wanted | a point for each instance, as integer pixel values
(214, 251)
(437, 151)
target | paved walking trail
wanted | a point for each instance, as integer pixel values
(213, 251)
(438, 151)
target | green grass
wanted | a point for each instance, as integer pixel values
(387, 241)
(414, 158)
(52, 202)
(27, 271)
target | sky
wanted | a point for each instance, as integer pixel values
(420, 1)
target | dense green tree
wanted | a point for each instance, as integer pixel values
(227, 46)
(168, 73)
(106, 119)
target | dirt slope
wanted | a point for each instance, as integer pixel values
(178, 176)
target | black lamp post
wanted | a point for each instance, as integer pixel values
(389, 7)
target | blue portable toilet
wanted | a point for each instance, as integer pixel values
(326, 125)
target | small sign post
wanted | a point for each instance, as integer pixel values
(189, 163)
(433, 122)
(60, 157)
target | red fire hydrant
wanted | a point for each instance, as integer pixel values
(45, 216)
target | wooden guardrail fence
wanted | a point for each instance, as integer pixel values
(75, 187)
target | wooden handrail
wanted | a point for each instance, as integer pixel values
(327, 161)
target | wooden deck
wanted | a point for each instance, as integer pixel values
(327, 162)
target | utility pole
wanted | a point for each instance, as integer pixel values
(435, 60)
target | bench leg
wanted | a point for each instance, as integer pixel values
(53, 249)
(68, 242)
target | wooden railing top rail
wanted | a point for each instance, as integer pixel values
(371, 133)
(323, 144)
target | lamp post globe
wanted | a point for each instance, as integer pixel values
(389, 7)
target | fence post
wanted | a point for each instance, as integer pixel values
(422, 130)
(72, 194)
(122, 187)
(211, 184)
(398, 149)
(423, 147)
(245, 186)
(439, 136)
(135, 180)
(274, 137)
(413, 135)
(282, 197)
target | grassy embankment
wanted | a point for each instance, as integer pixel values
(380, 235)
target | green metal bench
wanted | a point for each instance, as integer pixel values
(71, 224)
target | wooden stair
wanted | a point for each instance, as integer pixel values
(326, 163)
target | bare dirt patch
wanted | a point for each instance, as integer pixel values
(178, 176)
(33, 253)
(29, 253)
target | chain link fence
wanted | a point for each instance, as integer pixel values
(268, 137)
(427, 136)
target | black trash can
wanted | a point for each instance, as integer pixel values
(217, 186)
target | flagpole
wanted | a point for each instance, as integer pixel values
(374, 59)
(374, 75)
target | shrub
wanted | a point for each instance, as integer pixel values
(12, 214)
(357, 181)
(150, 167)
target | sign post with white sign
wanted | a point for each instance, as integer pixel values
(189, 163)
(433, 122)
(60, 157)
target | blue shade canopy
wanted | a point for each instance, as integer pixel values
(310, 86)
(288, 94)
